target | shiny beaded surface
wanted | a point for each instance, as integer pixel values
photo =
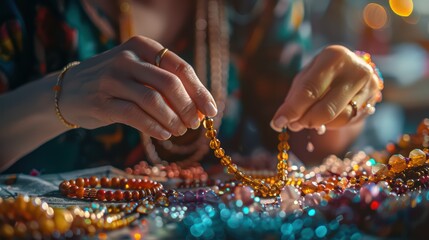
(265, 187)
(127, 189)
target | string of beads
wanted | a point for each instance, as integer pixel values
(126, 189)
(267, 186)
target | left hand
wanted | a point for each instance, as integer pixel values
(320, 94)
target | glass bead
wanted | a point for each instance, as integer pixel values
(282, 165)
(283, 145)
(72, 191)
(93, 181)
(109, 195)
(211, 133)
(232, 168)
(62, 219)
(47, 226)
(283, 136)
(410, 183)
(80, 182)
(208, 123)
(101, 195)
(80, 192)
(226, 160)
(309, 187)
(123, 183)
(135, 195)
(282, 156)
(118, 195)
(418, 157)
(200, 195)
(128, 196)
(105, 182)
(219, 153)
(161, 199)
(115, 182)
(64, 187)
(398, 163)
(214, 144)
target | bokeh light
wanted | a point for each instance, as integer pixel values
(403, 8)
(375, 16)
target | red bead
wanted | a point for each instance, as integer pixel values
(105, 182)
(109, 195)
(101, 195)
(119, 196)
(80, 182)
(124, 183)
(135, 195)
(93, 181)
(72, 191)
(86, 182)
(64, 187)
(80, 192)
(115, 182)
(132, 183)
(127, 196)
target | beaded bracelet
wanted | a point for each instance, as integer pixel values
(85, 188)
(369, 108)
(57, 93)
(267, 186)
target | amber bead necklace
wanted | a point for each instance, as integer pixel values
(269, 186)
(31, 218)
(126, 189)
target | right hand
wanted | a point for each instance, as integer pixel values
(124, 86)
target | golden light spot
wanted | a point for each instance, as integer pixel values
(403, 8)
(297, 14)
(375, 16)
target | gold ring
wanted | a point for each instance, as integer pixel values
(159, 56)
(353, 104)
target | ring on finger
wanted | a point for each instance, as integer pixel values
(354, 106)
(159, 56)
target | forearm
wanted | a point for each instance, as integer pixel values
(28, 120)
(332, 142)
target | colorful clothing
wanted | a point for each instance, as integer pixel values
(42, 36)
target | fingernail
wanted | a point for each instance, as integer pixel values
(295, 126)
(195, 123)
(182, 130)
(165, 134)
(211, 109)
(279, 123)
(274, 127)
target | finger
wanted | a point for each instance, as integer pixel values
(151, 102)
(307, 88)
(129, 113)
(169, 85)
(332, 103)
(347, 116)
(147, 49)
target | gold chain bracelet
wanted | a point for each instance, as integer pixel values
(270, 186)
(57, 93)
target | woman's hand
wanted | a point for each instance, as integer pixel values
(124, 86)
(322, 92)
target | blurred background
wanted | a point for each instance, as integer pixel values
(396, 34)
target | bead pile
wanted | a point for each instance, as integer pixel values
(383, 194)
